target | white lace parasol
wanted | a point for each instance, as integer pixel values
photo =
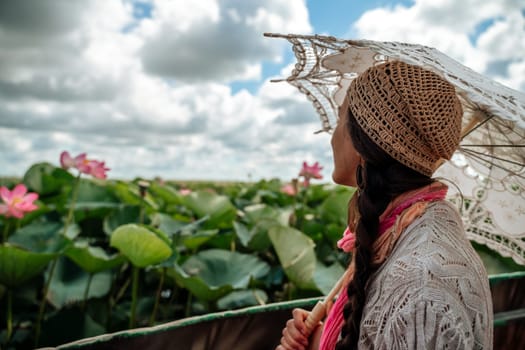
(489, 167)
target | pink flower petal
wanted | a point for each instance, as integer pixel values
(98, 169)
(81, 158)
(84, 168)
(31, 197)
(26, 204)
(16, 213)
(311, 171)
(26, 207)
(66, 161)
(184, 191)
(82, 163)
(288, 189)
(19, 191)
(5, 194)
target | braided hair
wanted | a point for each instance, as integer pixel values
(380, 180)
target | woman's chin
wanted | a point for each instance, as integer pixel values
(343, 180)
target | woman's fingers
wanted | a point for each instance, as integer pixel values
(293, 335)
(286, 345)
(299, 316)
(291, 344)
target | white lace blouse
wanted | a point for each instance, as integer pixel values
(432, 292)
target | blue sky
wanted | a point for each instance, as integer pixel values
(336, 17)
(179, 89)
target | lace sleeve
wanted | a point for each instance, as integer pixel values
(432, 293)
(437, 324)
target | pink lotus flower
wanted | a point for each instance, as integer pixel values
(86, 166)
(310, 172)
(98, 169)
(184, 191)
(289, 189)
(17, 202)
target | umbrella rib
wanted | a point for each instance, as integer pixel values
(499, 130)
(501, 127)
(512, 173)
(478, 126)
(490, 165)
(504, 127)
(481, 155)
(509, 132)
(486, 145)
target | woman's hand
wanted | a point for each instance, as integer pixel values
(295, 334)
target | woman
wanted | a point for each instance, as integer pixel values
(415, 282)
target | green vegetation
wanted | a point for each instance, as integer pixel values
(110, 255)
(127, 254)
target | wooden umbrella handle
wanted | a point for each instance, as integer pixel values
(316, 315)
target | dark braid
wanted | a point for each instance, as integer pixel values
(384, 178)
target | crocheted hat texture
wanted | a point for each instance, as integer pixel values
(413, 114)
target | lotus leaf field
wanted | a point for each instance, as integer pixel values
(99, 255)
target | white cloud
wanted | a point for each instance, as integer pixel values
(477, 33)
(74, 80)
(58, 50)
(216, 41)
(150, 95)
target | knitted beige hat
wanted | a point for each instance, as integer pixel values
(411, 113)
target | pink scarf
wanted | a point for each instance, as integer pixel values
(400, 213)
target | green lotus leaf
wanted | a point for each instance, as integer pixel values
(219, 267)
(18, 265)
(244, 234)
(255, 238)
(165, 193)
(142, 246)
(318, 192)
(67, 325)
(213, 273)
(242, 298)
(197, 286)
(45, 178)
(129, 193)
(295, 251)
(124, 214)
(220, 210)
(195, 240)
(124, 191)
(95, 199)
(258, 212)
(222, 241)
(335, 207)
(161, 234)
(167, 224)
(69, 283)
(41, 237)
(92, 259)
(260, 218)
(325, 277)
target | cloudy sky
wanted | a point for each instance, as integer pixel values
(180, 89)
